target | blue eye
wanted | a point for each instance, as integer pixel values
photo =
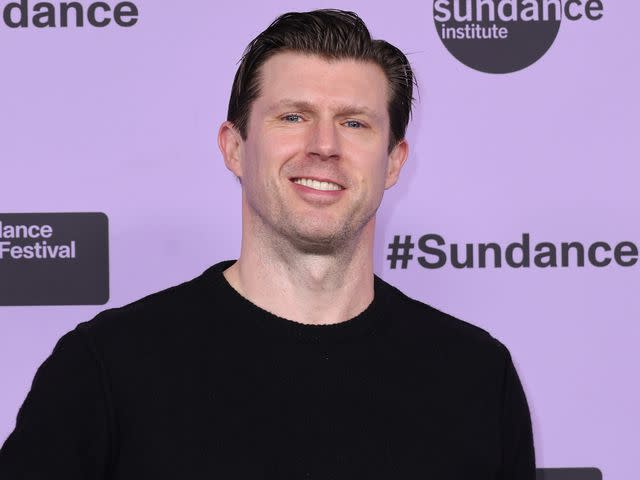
(292, 118)
(353, 124)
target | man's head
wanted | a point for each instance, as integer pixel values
(315, 129)
(332, 35)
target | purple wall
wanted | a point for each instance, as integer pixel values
(124, 121)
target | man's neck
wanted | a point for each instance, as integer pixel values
(303, 287)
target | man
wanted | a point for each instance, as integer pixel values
(295, 361)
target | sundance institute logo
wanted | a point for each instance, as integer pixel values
(504, 36)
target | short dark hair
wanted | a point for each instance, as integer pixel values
(333, 35)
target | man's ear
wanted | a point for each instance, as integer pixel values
(232, 147)
(397, 157)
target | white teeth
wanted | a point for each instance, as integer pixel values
(307, 182)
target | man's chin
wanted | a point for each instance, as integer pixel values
(319, 243)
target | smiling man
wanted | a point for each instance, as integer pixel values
(294, 361)
(314, 159)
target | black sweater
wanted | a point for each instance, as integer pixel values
(196, 382)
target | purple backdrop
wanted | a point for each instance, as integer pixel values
(124, 121)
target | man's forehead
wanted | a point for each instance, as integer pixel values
(292, 79)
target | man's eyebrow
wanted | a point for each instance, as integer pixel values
(291, 104)
(305, 106)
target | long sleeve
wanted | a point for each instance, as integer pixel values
(62, 429)
(518, 455)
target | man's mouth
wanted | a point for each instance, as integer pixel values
(317, 184)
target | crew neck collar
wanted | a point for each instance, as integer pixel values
(369, 321)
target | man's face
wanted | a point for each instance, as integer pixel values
(315, 162)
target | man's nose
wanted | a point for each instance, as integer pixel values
(324, 141)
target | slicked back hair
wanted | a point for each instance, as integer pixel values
(333, 35)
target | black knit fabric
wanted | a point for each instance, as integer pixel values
(197, 382)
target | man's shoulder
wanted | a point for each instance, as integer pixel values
(164, 313)
(420, 322)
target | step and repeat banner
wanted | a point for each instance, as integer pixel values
(517, 211)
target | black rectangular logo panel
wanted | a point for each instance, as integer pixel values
(54, 259)
(568, 474)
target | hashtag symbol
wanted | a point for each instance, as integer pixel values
(396, 248)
